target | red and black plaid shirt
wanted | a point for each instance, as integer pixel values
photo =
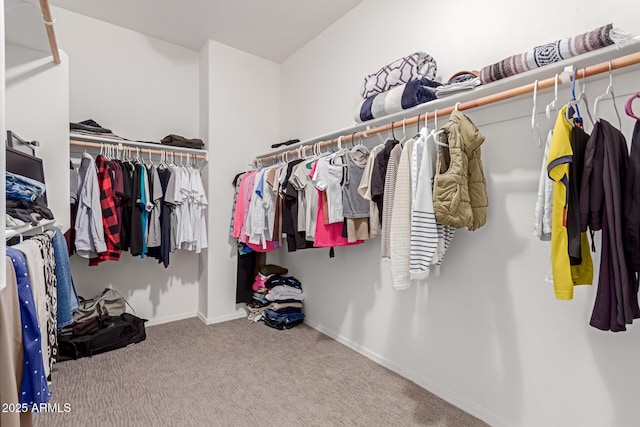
(109, 217)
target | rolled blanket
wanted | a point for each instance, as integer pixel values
(397, 99)
(550, 53)
(401, 71)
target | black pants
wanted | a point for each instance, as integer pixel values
(247, 266)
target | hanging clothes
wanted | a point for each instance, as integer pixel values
(164, 175)
(544, 202)
(47, 254)
(579, 139)
(126, 201)
(34, 388)
(400, 233)
(328, 234)
(295, 239)
(617, 297)
(424, 229)
(11, 350)
(110, 222)
(355, 207)
(632, 202)
(365, 191)
(565, 275)
(90, 239)
(37, 285)
(460, 193)
(67, 298)
(136, 233)
(388, 198)
(379, 173)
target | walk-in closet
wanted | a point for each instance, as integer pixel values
(347, 212)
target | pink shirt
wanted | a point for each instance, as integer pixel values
(242, 206)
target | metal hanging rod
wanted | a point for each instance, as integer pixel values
(179, 151)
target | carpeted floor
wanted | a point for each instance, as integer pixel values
(240, 374)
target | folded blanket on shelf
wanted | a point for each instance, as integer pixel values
(89, 126)
(551, 52)
(460, 82)
(401, 71)
(181, 141)
(397, 99)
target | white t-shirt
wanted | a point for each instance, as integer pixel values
(328, 178)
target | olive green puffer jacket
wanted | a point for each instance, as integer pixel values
(460, 190)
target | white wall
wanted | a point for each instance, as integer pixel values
(321, 82)
(487, 334)
(140, 88)
(38, 109)
(243, 109)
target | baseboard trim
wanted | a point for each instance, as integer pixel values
(169, 319)
(220, 319)
(429, 385)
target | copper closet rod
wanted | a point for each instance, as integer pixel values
(603, 67)
(142, 149)
(51, 34)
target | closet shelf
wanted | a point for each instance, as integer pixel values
(81, 140)
(29, 230)
(627, 57)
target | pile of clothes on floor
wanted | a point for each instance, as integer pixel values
(277, 299)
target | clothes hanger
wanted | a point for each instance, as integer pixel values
(358, 149)
(553, 105)
(535, 129)
(582, 96)
(628, 107)
(435, 133)
(609, 93)
(457, 106)
(405, 138)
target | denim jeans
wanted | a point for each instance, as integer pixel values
(20, 187)
(67, 297)
(283, 318)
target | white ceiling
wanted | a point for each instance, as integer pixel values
(272, 29)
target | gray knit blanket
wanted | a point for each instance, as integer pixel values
(548, 54)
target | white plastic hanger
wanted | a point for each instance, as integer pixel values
(553, 105)
(534, 117)
(436, 132)
(608, 94)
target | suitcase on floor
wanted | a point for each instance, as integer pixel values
(113, 332)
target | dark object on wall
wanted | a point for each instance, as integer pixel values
(113, 332)
(289, 142)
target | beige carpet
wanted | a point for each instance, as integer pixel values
(240, 374)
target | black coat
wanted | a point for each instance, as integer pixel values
(602, 202)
